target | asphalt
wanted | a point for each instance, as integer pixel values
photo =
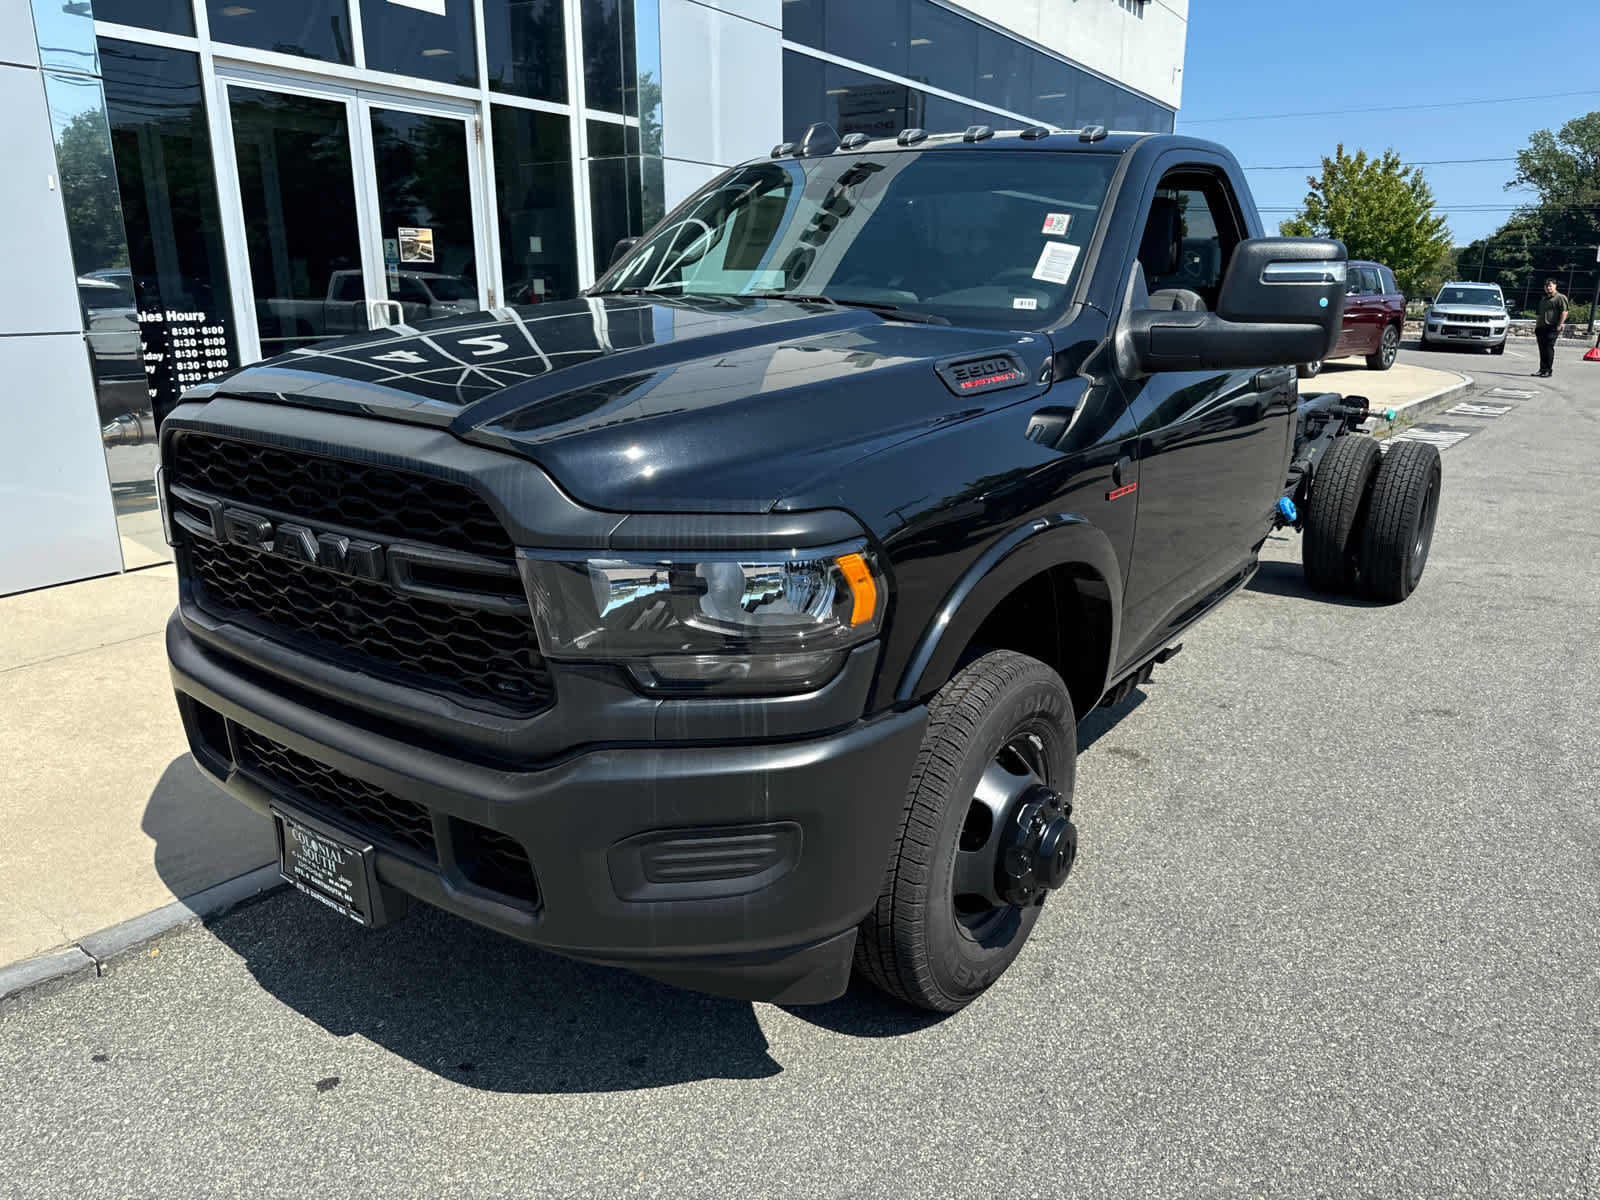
(1332, 932)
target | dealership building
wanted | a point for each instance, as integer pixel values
(196, 184)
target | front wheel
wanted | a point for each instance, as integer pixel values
(1388, 347)
(986, 835)
(1500, 349)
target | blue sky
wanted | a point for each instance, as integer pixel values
(1250, 58)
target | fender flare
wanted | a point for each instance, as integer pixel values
(1044, 542)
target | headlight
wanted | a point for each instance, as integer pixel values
(750, 624)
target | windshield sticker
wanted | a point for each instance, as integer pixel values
(1027, 302)
(1056, 261)
(1057, 224)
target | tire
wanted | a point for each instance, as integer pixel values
(922, 942)
(1422, 341)
(1309, 370)
(1336, 512)
(1388, 348)
(1400, 521)
(1500, 349)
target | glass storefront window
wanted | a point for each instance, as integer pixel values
(312, 28)
(66, 36)
(526, 47)
(610, 63)
(427, 39)
(421, 164)
(177, 271)
(164, 16)
(533, 190)
(855, 102)
(298, 188)
(616, 187)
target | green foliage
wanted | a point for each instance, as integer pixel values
(1558, 232)
(1381, 210)
(89, 193)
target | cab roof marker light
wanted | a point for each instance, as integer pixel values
(1324, 271)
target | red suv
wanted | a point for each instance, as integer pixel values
(1374, 314)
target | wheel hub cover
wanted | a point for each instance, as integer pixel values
(1041, 846)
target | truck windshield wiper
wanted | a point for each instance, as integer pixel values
(893, 311)
(665, 289)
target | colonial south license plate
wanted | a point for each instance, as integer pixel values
(327, 865)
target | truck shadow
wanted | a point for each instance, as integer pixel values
(1289, 579)
(483, 1010)
(460, 1001)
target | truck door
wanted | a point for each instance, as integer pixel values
(1213, 445)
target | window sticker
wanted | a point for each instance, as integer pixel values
(1057, 224)
(1056, 261)
(416, 244)
(1027, 302)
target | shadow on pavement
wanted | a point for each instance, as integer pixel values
(1289, 579)
(478, 1008)
(456, 999)
(203, 836)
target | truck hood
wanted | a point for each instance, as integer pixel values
(670, 405)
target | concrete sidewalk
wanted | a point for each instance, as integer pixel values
(105, 819)
(103, 815)
(1413, 391)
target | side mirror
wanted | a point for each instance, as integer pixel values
(620, 249)
(1281, 303)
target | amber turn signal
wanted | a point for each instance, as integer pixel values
(859, 576)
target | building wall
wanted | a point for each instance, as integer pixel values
(721, 103)
(56, 519)
(1138, 42)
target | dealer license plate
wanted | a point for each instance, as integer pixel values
(329, 866)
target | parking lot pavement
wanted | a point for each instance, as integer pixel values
(1332, 932)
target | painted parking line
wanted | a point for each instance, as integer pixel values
(1478, 410)
(1442, 438)
(1505, 393)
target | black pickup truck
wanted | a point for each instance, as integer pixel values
(730, 624)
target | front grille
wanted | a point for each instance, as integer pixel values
(357, 806)
(333, 491)
(369, 626)
(1468, 318)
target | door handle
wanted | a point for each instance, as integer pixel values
(1273, 378)
(1121, 472)
(375, 308)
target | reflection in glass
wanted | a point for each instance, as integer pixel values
(298, 189)
(422, 190)
(616, 187)
(610, 61)
(525, 45)
(432, 40)
(312, 28)
(164, 16)
(855, 102)
(66, 35)
(162, 145)
(533, 193)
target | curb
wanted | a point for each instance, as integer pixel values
(1422, 406)
(98, 952)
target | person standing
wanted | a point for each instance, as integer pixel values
(1552, 316)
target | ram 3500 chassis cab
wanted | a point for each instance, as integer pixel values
(730, 623)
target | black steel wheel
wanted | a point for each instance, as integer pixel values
(986, 836)
(1400, 520)
(1388, 348)
(1336, 512)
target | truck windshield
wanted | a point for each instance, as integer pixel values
(992, 238)
(1470, 295)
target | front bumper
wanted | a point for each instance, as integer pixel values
(635, 853)
(1443, 329)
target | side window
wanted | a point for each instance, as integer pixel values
(1190, 232)
(1386, 277)
(412, 292)
(1363, 281)
(347, 285)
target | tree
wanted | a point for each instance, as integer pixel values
(89, 193)
(1381, 210)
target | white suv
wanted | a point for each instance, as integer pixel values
(1467, 314)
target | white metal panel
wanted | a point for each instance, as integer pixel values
(682, 178)
(33, 224)
(764, 12)
(56, 521)
(17, 42)
(721, 95)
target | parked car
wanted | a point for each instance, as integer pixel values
(347, 309)
(1467, 314)
(1374, 315)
